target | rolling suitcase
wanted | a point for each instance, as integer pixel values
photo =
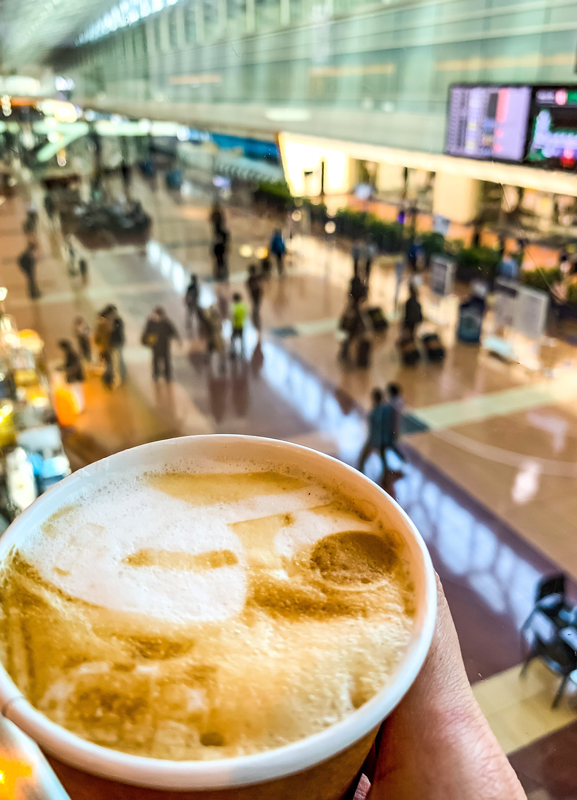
(378, 320)
(408, 351)
(434, 349)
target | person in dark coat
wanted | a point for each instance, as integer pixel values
(72, 365)
(27, 263)
(413, 312)
(382, 420)
(117, 342)
(357, 289)
(217, 220)
(254, 288)
(220, 248)
(191, 302)
(351, 324)
(158, 335)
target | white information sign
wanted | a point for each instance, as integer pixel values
(531, 308)
(442, 275)
(504, 304)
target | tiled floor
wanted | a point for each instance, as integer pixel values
(490, 486)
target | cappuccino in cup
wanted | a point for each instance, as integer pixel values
(206, 611)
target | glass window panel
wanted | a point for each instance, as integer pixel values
(236, 17)
(190, 23)
(173, 29)
(157, 34)
(210, 12)
(267, 13)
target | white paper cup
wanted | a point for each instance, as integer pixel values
(320, 766)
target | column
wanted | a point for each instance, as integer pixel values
(285, 12)
(222, 18)
(250, 17)
(199, 9)
(456, 197)
(180, 26)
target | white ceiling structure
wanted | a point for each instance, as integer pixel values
(29, 29)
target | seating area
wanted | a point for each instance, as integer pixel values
(551, 631)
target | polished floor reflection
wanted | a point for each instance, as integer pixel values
(491, 447)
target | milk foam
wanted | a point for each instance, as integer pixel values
(198, 617)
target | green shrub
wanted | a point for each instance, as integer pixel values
(433, 243)
(481, 260)
(541, 278)
(572, 294)
(277, 194)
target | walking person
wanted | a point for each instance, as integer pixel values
(49, 207)
(27, 263)
(351, 324)
(370, 253)
(72, 366)
(214, 337)
(357, 289)
(117, 342)
(238, 316)
(413, 313)
(400, 268)
(126, 174)
(31, 222)
(158, 334)
(219, 249)
(73, 372)
(381, 430)
(83, 269)
(102, 341)
(356, 252)
(278, 249)
(217, 220)
(394, 394)
(71, 257)
(191, 302)
(255, 292)
(81, 331)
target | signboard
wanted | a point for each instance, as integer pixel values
(488, 121)
(504, 303)
(442, 275)
(531, 307)
(442, 224)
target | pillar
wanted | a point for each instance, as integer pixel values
(390, 178)
(456, 197)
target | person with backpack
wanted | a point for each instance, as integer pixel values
(27, 263)
(158, 334)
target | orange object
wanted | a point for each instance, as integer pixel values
(66, 405)
(10, 772)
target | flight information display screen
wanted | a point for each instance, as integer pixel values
(488, 122)
(553, 129)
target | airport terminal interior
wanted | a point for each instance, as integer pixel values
(244, 216)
